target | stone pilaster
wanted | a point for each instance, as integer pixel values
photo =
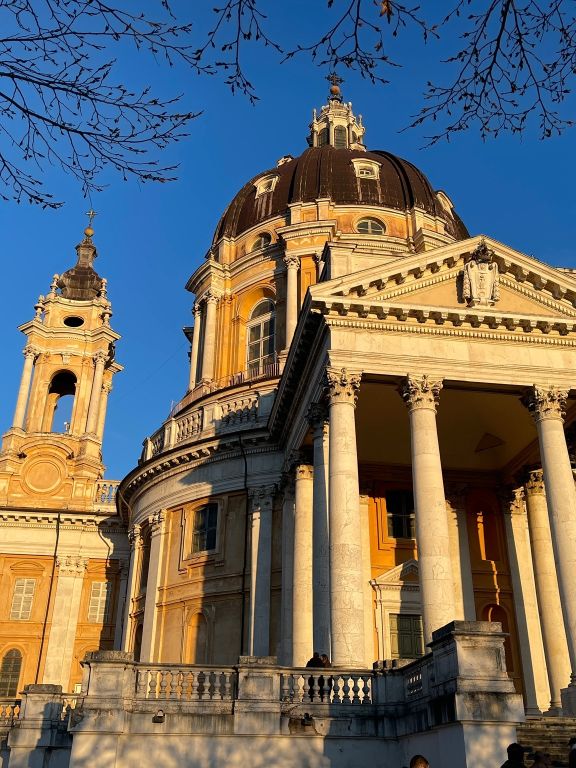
(432, 536)
(318, 418)
(260, 569)
(346, 572)
(157, 528)
(292, 266)
(547, 408)
(60, 650)
(135, 541)
(550, 608)
(302, 621)
(460, 548)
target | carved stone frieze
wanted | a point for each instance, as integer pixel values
(342, 385)
(546, 402)
(70, 565)
(420, 392)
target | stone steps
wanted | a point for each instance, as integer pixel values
(548, 734)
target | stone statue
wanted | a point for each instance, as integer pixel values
(480, 285)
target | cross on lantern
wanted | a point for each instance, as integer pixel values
(90, 215)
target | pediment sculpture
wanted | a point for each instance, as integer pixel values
(480, 278)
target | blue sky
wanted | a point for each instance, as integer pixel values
(150, 238)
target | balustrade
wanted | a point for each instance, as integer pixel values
(187, 683)
(106, 492)
(9, 712)
(328, 687)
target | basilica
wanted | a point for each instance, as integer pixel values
(372, 461)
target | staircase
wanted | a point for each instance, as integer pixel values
(548, 734)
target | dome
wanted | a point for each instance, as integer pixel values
(330, 172)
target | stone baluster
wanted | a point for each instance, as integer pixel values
(550, 608)
(211, 300)
(346, 575)
(30, 355)
(260, 569)
(197, 312)
(432, 534)
(547, 408)
(158, 531)
(292, 266)
(302, 620)
(318, 418)
(96, 394)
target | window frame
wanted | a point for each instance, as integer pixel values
(417, 637)
(25, 580)
(371, 221)
(262, 240)
(106, 612)
(260, 321)
(407, 518)
(12, 683)
(266, 184)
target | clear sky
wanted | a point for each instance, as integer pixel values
(150, 238)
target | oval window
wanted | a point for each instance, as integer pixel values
(73, 321)
(370, 227)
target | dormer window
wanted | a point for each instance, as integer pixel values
(265, 184)
(261, 241)
(370, 227)
(367, 172)
(366, 169)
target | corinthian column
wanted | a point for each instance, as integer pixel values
(260, 570)
(292, 266)
(197, 312)
(209, 337)
(432, 533)
(550, 608)
(302, 628)
(99, 363)
(318, 418)
(547, 408)
(106, 389)
(30, 355)
(135, 541)
(346, 581)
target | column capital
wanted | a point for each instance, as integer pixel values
(156, 521)
(107, 387)
(545, 402)
(304, 472)
(71, 565)
(534, 485)
(135, 536)
(100, 357)
(211, 296)
(261, 498)
(419, 392)
(317, 416)
(291, 261)
(517, 505)
(196, 309)
(342, 385)
(30, 351)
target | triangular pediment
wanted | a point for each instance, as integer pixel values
(404, 573)
(443, 281)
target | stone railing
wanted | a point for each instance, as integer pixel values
(185, 683)
(9, 712)
(306, 686)
(105, 495)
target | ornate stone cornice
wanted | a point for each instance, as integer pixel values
(534, 485)
(342, 385)
(546, 402)
(419, 392)
(70, 565)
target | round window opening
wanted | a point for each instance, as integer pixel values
(370, 227)
(73, 321)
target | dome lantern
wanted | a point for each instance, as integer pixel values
(336, 125)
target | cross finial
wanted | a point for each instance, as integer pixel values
(90, 215)
(335, 81)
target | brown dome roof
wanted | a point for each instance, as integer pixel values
(326, 172)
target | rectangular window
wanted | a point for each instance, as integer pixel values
(406, 637)
(22, 599)
(400, 512)
(204, 528)
(99, 607)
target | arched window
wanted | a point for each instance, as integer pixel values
(261, 241)
(10, 673)
(340, 141)
(370, 227)
(61, 392)
(323, 137)
(260, 338)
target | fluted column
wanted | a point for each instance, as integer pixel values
(302, 626)
(106, 389)
(550, 608)
(99, 363)
(157, 529)
(287, 571)
(30, 355)
(135, 541)
(432, 534)
(209, 337)
(318, 418)
(547, 408)
(197, 312)
(260, 570)
(346, 574)
(292, 266)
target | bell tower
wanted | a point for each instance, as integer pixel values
(51, 456)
